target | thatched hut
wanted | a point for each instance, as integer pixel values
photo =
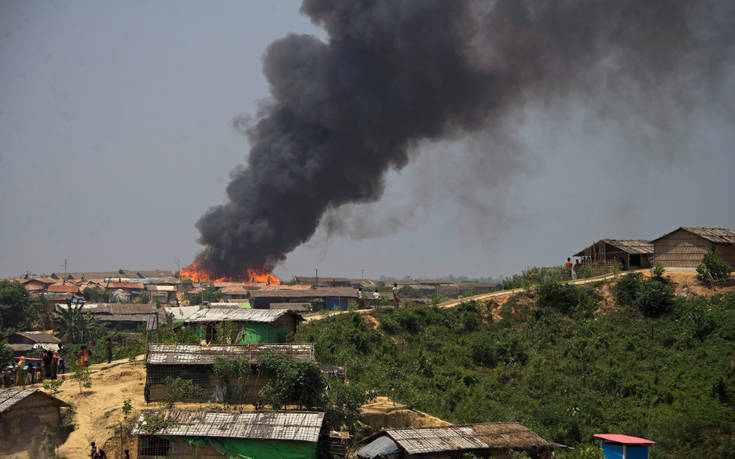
(211, 434)
(630, 253)
(24, 416)
(685, 247)
(483, 440)
(196, 363)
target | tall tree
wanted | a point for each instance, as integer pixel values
(18, 311)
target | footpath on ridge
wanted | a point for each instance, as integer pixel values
(480, 297)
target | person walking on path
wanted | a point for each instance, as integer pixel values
(108, 350)
(47, 358)
(396, 297)
(54, 365)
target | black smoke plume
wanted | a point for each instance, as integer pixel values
(396, 72)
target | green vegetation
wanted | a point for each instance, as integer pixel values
(181, 389)
(653, 296)
(75, 326)
(713, 269)
(53, 385)
(96, 294)
(6, 354)
(81, 375)
(18, 310)
(152, 424)
(656, 367)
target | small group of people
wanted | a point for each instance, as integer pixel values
(376, 297)
(29, 370)
(572, 267)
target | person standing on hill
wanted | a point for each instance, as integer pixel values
(108, 350)
(360, 299)
(47, 358)
(396, 297)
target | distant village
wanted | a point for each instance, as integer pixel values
(265, 316)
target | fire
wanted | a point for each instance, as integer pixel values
(197, 273)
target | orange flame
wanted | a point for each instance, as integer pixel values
(197, 273)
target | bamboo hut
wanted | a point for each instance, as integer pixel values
(24, 416)
(489, 439)
(211, 434)
(685, 247)
(629, 253)
(196, 363)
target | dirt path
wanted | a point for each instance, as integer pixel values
(458, 301)
(99, 408)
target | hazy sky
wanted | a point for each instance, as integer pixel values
(116, 135)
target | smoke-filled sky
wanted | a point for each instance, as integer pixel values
(485, 139)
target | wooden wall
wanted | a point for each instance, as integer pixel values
(680, 249)
(22, 425)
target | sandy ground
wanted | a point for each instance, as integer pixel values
(382, 412)
(99, 408)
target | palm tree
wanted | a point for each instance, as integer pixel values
(74, 325)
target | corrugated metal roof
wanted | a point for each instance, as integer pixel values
(264, 425)
(39, 337)
(342, 292)
(9, 397)
(181, 312)
(236, 315)
(189, 354)
(63, 288)
(118, 308)
(465, 437)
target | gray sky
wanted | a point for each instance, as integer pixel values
(116, 135)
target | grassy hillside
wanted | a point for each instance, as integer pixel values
(555, 364)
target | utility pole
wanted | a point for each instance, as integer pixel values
(316, 277)
(362, 271)
(65, 264)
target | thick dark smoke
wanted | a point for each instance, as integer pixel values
(394, 73)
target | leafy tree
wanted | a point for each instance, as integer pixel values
(18, 311)
(713, 269)
(655, 297)
(291, 381)
(96, 294)
(553, 294)
(82, 375)
(626, 289)
(53, 385)
(209, 294)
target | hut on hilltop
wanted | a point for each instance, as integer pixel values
(630, 253)
(489, 439)
(685, 247)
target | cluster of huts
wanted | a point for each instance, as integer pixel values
(682, 248)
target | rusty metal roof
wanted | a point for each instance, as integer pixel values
(9, 397)
(342, 292)
(465, 437)
(189, 354)
(264, 425)
(39, 337)
(236, 314)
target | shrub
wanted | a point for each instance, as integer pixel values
(655, 297)
(627, 288)
(713, 269)
(554, 294)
